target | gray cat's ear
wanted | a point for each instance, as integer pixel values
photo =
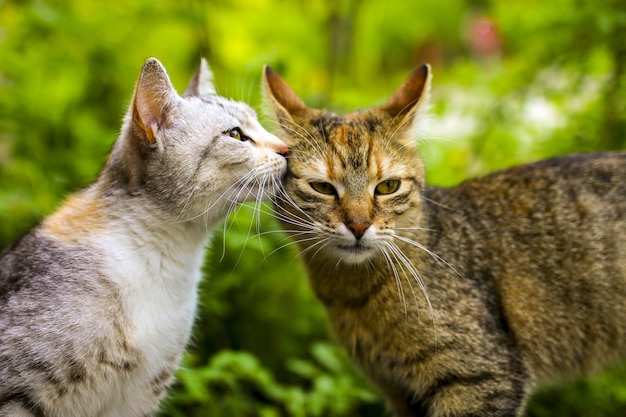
(281, 99)
(202, 82)
(412, 96)
(154, 94)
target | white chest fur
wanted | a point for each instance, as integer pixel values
(156, 272)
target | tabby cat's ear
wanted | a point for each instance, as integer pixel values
(154, 94)
(412, 96)
(202, 82)
(284, 102)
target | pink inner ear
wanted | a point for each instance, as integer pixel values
(145, 115)
(154, 94)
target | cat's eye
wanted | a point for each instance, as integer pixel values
(387, 187)
(236, 134)
(323, 188)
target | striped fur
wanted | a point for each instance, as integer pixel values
(456, 302)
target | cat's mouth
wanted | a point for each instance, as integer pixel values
(356, 252)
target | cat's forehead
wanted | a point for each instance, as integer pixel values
(226, 111)
(350, 147)
(350, 127)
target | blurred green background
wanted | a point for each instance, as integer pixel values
(515, 81)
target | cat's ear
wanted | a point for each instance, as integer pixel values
(280, 98)
(202, 82)
(411, 98)
(154, 95)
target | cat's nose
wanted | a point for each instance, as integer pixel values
(275, 144)
(358, 229)
(282, 149)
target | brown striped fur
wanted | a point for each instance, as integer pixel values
(456, 302)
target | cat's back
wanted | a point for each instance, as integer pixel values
(551, 237)
(586, 190)
(599, 173)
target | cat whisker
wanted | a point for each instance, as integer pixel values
(321, 243)
(397, 279)
(290, 243)
(302, 133)
(287, 233)
(279, 216)
(180, 219)
(284, 197)
(429, 200)
(300, 225)
(289, 217)
(410, 268)
(286, 216)
(436, 257)
(243, 186)
(293, 221)
(405, 121)
(219, 199)
(423, 229)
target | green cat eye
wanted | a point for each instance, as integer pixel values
(323, 188)
(387, 187)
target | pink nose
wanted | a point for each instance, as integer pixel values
(358, 229)
(282, 149)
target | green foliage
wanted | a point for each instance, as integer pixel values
(237, 384)
(261, 345)
(603, 395)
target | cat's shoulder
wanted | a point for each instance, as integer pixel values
(601, 174)
(37, 265)
(581, 169)
(601, 162)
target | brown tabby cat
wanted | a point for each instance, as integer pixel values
(459, 301)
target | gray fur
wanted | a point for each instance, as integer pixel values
(97, 302)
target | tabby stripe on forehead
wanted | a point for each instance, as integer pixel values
(370, 147)
(359, 152)
(325, 124)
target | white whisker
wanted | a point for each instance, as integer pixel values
(397, 279)
(436, 257)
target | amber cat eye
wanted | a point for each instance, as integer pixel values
(387, 187)
(323, 188)
(235, 133)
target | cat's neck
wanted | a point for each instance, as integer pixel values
(128, 228)
(347, 284)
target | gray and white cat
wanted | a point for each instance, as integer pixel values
(97, 302)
